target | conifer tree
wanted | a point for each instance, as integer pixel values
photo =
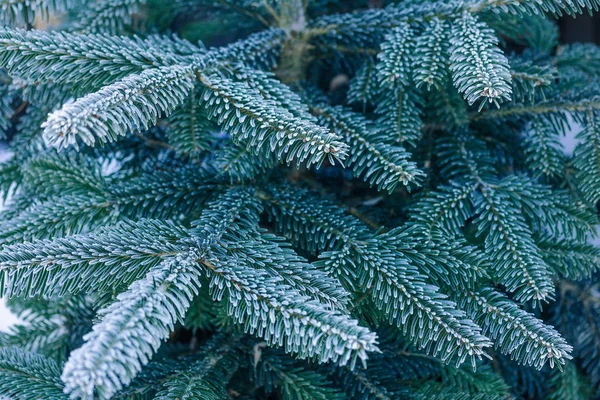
(298, 199)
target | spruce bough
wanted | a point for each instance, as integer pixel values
(190, 220)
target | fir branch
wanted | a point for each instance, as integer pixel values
(544, 152)
(210, 129)
(431, 56)
(51, 328)
(547, 107)
(395, 60)
(188, 130)
(569, 384)
(24, 12)
(149, 195)
(132, 328)
(293, 380)
(371, 265)
(530, 81)
(29, 375)
(273, 90)
(449, 262)
(363, 86)
(550, 212)
(515, 331)
(262, 125)
(204, 378)
(264, 305)
(587, 159)
(447, 209)
(370, 156)
(120, 255)
(479, 69)
(364, 383)
(400, 115)
(556, 7)
(569, 258)
(91, 60)
(134, 103)
(240, 164)
(517, 263)
(259, 50)
(108, 16)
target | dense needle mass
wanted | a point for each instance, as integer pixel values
(299, 200)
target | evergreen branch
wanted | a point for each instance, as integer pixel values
(294, 381)
(29, 375)
(530, 81)
(361, 26)
(167, 231)
(134, 103)
(262, 125)
(479, 69)
(307, 278)
(53, 174)
(569, 384)
(247, 8)
(569, 258)
(120, 255)
(188, 130)
(372, 265)
(58, 216)
(527, 339)
(154, 374)
(24, 12)
(108, 16)
(483, 383)
(364, 85)
(517, 260)
(517, 263)
(581, 57)
(364, 383)
(91, 60)
(6, 108)
(205, 378)
(449, 262)
(272, 89)
(534, 7)
(554, 106)
(310, 223)
(51, 328)
(465, 158)
(241, 165)
(587, 159)
(544, 151)
(150, 195)
(281, 314)
(151, 307)
(550, 211)
(237, 211)
(259, 50)
(432, 390)
(132, 328)
(400, 115)
(447, 209)
(10, 178)
(203, 315)
(395, 60)
(430, 57)
(370, 156)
